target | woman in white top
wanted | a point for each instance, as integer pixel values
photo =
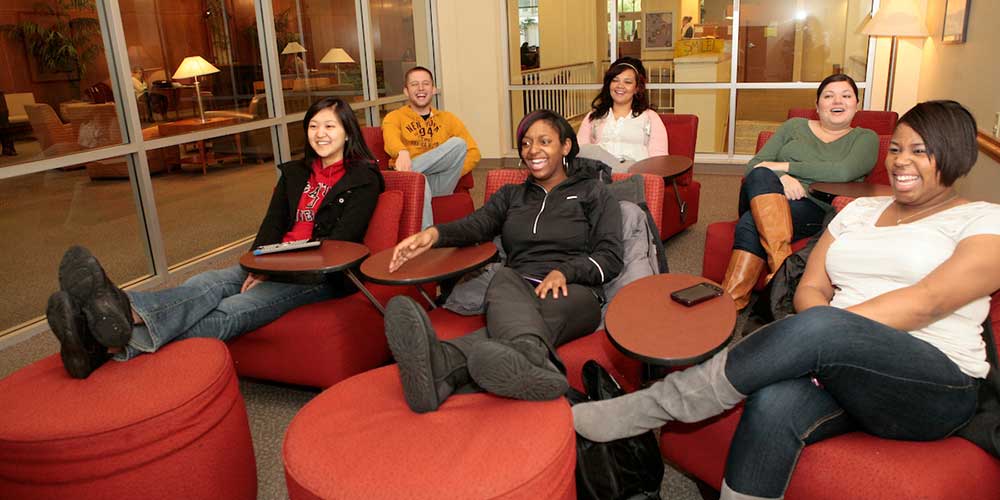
(888, 335)
(622, 129)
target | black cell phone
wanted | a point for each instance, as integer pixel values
(696, 294)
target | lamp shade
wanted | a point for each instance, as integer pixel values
(293, 48)
(194, 66)
(900, 18)
(336, 55)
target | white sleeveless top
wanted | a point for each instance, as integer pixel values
(866, 261)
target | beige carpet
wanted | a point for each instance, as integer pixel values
(271, 407)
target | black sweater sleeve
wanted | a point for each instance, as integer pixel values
(272, 228)
(605, 259)
(479, 226)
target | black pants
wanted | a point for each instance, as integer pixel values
(513, 309)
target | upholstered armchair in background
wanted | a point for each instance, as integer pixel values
(256, 143)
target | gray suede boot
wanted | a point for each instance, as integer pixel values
(727, 493)
(429, 370)
(517, 369)
(694, 394)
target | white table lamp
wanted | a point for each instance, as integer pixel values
(896, 18)
(336, 56)
(193, 67)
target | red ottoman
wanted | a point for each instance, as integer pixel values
(358, 439)
(162, 426)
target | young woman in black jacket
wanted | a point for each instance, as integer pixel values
(329, 195)
(561, 230)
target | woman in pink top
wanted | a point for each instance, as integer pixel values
(622, 129)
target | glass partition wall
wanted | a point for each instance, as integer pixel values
(149, 130)
(739, 65)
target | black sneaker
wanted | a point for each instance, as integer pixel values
(81, 353)
(505, 371)
(428, 368)
(106, 307)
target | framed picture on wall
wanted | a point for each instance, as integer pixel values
(956, 21)
(658, 31)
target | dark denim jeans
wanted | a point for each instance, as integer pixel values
(807, 216)
(827, 371)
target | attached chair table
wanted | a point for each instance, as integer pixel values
(312, 264)
(827, 191)
(669, 167)
(433, 265)
(645, 323)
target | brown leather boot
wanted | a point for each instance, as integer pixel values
(773, 218)
(741, 276)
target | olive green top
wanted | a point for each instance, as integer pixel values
(846, 159)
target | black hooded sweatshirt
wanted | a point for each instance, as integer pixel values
(575, 228)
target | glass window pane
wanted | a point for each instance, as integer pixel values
(801, 40)
(573, 104)
(174, 45)
(202, 206)
(55, 96)
(675, 41)
(46, 212)
(317, 43)
(712, 109)
(760, 110)
(558, 41)
(400, 40)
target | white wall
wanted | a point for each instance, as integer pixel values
(471, 68)
(967, 73)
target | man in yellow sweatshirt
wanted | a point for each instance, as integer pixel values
(422, 139)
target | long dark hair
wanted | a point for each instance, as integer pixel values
(557, 121)
(640, 103)
(949, 134)
(355, 148)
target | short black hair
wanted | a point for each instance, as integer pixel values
(949, 134)
(406, 76)
(838, 77)
(355, 148)
(557, 121)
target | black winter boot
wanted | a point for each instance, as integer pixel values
(429, 370)
(516, 369)
(80, 352)
(106, 307)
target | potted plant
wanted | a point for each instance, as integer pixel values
(68, 44)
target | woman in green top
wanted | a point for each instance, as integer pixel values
(775, 206)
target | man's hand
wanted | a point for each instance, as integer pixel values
(554, 281)
(793, 188)
(412, 247)
(403, 161)
(252, 281)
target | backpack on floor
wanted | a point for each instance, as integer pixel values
(629, 468)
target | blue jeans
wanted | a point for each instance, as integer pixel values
(807, 216)
(210, 305)
(868, 376)
(442, 168)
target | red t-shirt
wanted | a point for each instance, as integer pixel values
(320, 182)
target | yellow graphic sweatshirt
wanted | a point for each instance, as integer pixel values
(403, 129)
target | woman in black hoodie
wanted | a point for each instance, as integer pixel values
(561, 230)
(329, 195)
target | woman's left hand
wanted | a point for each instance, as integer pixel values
(252, 280)
(793, 188)
(554, 281)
